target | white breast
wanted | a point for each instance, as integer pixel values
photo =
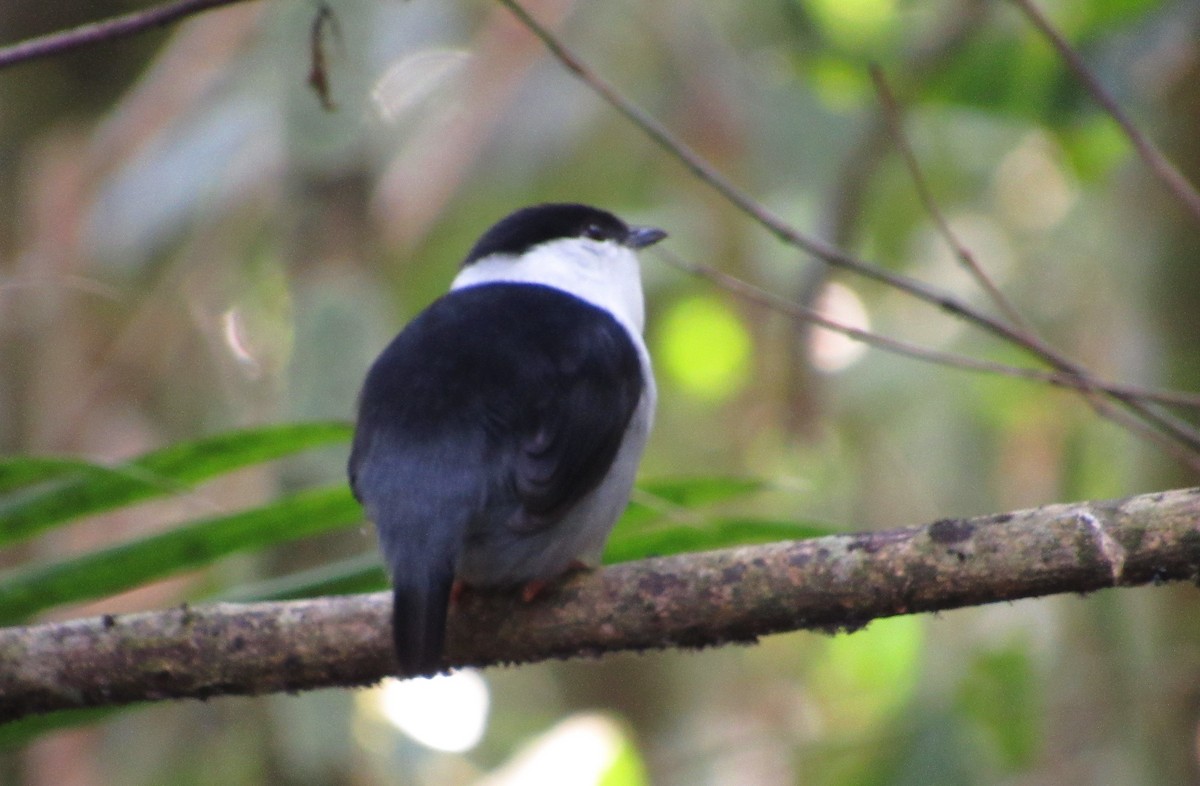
(606, 275)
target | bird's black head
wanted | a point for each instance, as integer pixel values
(531, 226)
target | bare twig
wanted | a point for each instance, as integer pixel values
(1086, 385)
(842, 209)
(1154, 158)
(106, 30)
(693, 600)
(318, 72)
(892, 116)
(1176, 430)
(801, 313)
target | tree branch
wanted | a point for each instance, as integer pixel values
(107, 30)
(694, 600)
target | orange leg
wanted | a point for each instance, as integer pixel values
(456, 591)
(532, 590)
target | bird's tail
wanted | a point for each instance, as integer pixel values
(419, 609)
(421, 517)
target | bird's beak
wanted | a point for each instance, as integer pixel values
(640, 237)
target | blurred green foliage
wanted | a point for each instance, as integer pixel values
(190, 245)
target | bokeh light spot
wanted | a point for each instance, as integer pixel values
(829, 351)
(854, 24)
(447, 712)
(583, 750)
(704, 347)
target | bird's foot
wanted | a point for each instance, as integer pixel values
(532, 590)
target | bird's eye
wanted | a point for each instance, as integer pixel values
(595, 232)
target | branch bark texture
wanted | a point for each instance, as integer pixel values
(695, 600)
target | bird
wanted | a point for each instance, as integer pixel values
(499, 433)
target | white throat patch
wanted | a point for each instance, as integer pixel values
(603, 273)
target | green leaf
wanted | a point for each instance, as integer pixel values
(84, 489)
(363, 573)
(21, 471)
(689, 492)
(676, 503)
(21, 732)
(631, 540)
(713, 534)
(27, 591)
(656, 498)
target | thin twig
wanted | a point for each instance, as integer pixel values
(892, 116)
(106, 30)
(1177, 430)
(318, 73)
(1087, 386)
(801, 313)
(842, 211)
(1158, 163)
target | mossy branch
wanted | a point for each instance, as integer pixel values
(694, 600)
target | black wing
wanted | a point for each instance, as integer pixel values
(572, 426)
(550, 380)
